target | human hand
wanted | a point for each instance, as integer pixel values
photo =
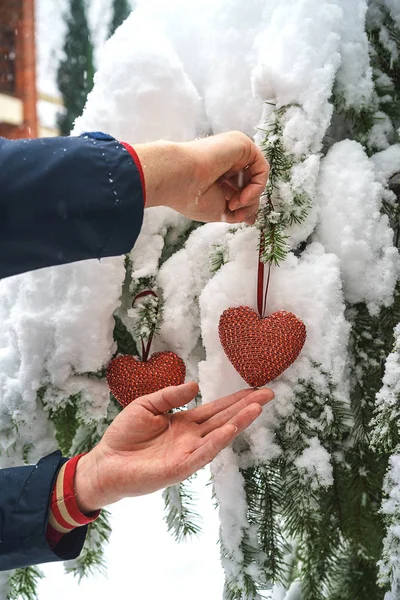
(218, 178)
(147, 448)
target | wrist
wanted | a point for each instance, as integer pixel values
(88, 492)
(168, 169)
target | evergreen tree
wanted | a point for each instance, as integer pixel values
(76, 69)
(121, 9)
(320, 533)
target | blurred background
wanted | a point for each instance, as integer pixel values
(48, 52)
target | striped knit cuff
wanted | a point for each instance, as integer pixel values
(64, 513)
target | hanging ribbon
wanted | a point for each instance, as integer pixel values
(146, 347)
(261, 295)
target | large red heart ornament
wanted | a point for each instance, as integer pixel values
(260, 349)
(129, 378)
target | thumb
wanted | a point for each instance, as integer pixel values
(171, 397)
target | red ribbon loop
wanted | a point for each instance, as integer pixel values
(261, 296)
(145, 347)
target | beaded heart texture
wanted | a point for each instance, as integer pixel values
(260, 349)
(129, 378)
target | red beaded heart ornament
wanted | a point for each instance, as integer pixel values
(129, 378)
(260, 349)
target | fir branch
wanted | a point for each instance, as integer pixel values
(240, 590)
(26, 448)
(311, 513)
(389, 564)
(147, 316)
(218, 257)
(66, 422)
(124, 340)
(91, 559)
(276, 214)
(174, 242)
(88, 435)
(23, 584)
(64, 416)
(141, 284)
(241, 585)
(100, 374)
(385, 101)
(181, 519)
(385, 423)
(359, 120)
(355, 578)
(263, 494)
(274, 241)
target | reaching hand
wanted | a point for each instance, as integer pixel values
(218, 178)
(147, 448)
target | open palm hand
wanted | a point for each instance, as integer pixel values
(147, 447)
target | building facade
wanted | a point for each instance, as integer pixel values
(18, 95)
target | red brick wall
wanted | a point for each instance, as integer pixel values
(12, 132)
(19, 15)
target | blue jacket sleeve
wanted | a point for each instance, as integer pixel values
(61, 200)
(25, 495)
(66, 199)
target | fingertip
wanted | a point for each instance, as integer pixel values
(255, 408)
(258, 409)
(195, 385)
(250, 221)
(229, 432)
(263, 395)
(269, 393)
(190, 385)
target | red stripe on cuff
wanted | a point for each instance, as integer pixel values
(63, 502)
(53, 536)
(139, 167)
(69, 494)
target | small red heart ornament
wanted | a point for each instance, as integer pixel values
(260, 349)
(129, 378)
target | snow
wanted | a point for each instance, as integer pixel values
(315, 463)
(55, 325)
(387, 399)
(229, 487)
(351, 226)
(387, 418)
(299, 69)
(387, 163)
(152, 112)
(394, 9)
(354, 79)
(182, 279)
(389, 567)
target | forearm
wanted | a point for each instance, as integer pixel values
(66, 199)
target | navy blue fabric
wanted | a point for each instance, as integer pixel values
(61, 200)
(66, 199)
(25, 494)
